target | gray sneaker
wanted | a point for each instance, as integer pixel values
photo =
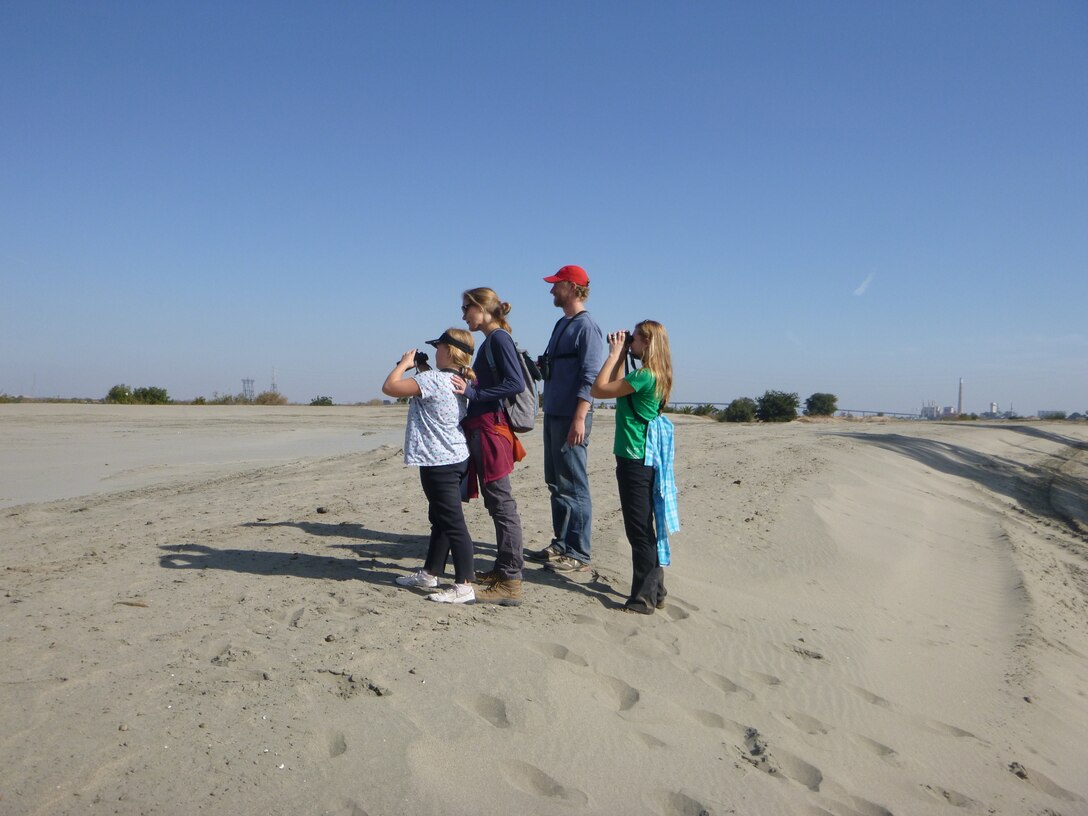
(565, 563)
(549, 553)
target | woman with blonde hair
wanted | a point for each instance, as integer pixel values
(492, 445)
(644, 455)
(434, 441)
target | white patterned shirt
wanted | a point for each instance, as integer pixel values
(433, 435)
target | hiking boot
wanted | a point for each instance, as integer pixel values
(504, 592)
(417, 579)
(457, 594)
(549, 553)
(565, 563)
(488, 577)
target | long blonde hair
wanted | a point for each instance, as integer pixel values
(656, 356)
(461, 359)
(489, 302)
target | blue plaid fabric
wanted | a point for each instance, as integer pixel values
(660, 450)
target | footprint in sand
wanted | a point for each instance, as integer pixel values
(690, 607)
(489, 708)
(530, 779)
(680, 804)
(560, 652)
(667, 641)
(778, 763)
(806, 724)
(879, 749)
(869, 697)
(338, 745)
(722, 683)
(838, 797)
(952, 797)
(347, 807)
(712, 720)
(795, 768)
(765, 679)
(650, 741)
(948, 730)
(623, 695)
(675, 613)
(1043, 783)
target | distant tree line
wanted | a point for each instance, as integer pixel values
(147, 395)
(152, 395)
(773, 406)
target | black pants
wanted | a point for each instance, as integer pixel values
(636, 483)
(442, 487)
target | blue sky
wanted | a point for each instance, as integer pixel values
(870, 199)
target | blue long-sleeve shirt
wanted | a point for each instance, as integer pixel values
(491, 387)
(577, 353)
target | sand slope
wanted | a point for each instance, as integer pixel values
(864, 618)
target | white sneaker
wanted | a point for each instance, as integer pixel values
(457, 594)
(417, 579)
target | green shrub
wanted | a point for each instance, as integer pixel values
(150, 395)
(821, 405)
(777, 406)
(120, 395)
(742, 409)
(324, 401)
(706, 409)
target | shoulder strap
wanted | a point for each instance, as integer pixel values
(566, 326)
(490, 355)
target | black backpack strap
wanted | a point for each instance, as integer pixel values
(566, 326)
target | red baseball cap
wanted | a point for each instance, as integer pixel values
(574, 274)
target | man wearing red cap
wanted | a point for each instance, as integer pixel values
(570, 364)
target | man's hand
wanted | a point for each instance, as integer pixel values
(577, 433)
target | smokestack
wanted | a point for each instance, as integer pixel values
(959, 406)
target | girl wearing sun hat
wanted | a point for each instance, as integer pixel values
(434, 441)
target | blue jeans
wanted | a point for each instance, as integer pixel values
(566, 474)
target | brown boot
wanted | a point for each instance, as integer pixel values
(488, 577)
(503, 591)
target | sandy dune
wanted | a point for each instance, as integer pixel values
(864, 618)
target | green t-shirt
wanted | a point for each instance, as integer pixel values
(631, 429)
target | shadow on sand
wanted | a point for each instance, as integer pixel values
(369, 562)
